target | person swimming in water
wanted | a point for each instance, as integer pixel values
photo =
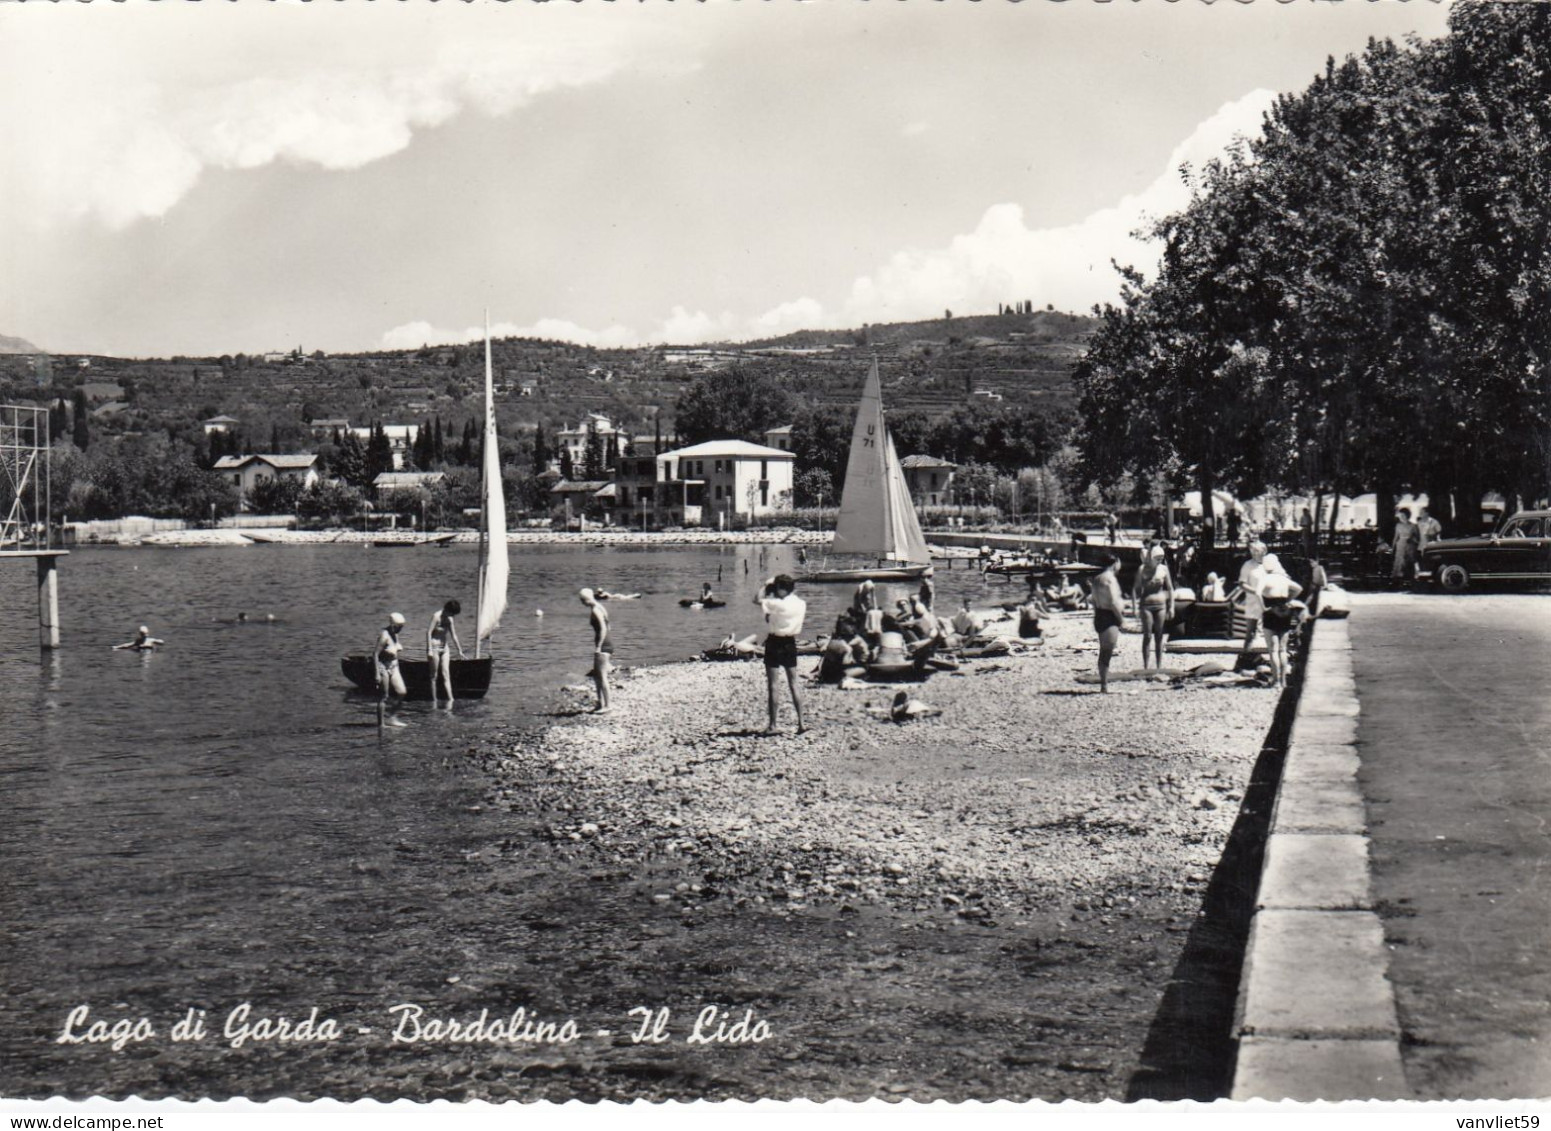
(143, 641)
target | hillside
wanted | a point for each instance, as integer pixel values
(17, 345)
(930, 366)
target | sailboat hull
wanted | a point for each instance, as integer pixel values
(470, 678)
(878, 573)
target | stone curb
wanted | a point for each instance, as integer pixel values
(1316, 1012)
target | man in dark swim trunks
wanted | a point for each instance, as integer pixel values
(602, 648)
(1108, 613)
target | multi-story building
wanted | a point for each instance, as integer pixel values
(928, 478)
(246, 472)
(574, 440)
(706, 484)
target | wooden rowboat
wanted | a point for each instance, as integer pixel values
(470, 678)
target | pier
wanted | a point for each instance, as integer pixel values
(26, 521)
(48, 592)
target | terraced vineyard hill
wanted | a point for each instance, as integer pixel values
(930, 366)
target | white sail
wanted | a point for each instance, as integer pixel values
(877, 517)
(493, 565)
(905, 527)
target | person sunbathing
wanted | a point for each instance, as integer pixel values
(836, 659)
(748, 646)
(966, 623)
(1067, 595)
(907, 708)
(1028, 621)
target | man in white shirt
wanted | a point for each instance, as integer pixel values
(784, 612)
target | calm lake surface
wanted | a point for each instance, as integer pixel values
(217, 820)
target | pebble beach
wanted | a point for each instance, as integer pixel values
(1031, 791)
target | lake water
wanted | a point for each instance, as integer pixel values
(217, 819)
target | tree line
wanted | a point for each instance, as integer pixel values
(739, 403)
(1358, 300)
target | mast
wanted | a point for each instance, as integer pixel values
(484, 495)
(494, 567)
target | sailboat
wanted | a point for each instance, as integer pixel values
(470, 677)
(877, 518)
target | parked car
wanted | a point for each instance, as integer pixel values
(1518, 550)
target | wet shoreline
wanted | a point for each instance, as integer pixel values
(984, 905)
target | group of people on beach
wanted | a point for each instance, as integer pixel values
(870, 633)
(1271, 605)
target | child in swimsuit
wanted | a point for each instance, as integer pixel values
(437, 637)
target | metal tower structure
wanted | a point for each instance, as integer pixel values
(25, 501)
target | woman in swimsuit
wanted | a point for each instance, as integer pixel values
(1277, 591)
(1153, 593)
(1108, 614)
(436, 639)
(390, 681)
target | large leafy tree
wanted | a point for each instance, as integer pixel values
(1358, 300)
(732, 404)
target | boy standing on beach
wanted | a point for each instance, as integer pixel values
(784, 612)
(602, 648)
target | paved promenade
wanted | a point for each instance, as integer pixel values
(1399, 942)
(1454, 735)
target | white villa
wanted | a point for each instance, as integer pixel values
(574, 440)
(401, 437)
(246, 472)
(699, 484)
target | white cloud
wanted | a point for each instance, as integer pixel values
(133, 107)
(413, 335)
(915, 129)
(799, 314)
(1003, 259)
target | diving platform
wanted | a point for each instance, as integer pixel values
(26, 510)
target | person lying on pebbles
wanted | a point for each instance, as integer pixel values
(905, 708)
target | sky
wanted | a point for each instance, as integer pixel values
(203, 179)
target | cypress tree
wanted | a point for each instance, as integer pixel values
(540, 450)
(83, 434)
(592, 454)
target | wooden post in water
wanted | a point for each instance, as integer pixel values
(48, 602)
